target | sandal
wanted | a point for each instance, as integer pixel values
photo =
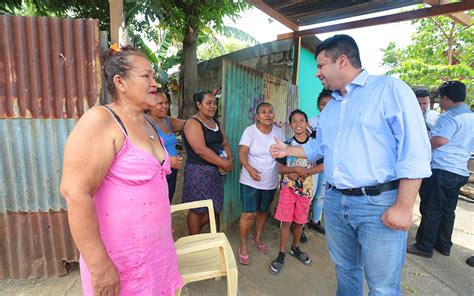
(277, 264)
(243, 259)
(263, 248)
(301, 256)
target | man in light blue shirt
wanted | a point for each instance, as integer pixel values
(430, 116)
(376, 151)
(452, 141)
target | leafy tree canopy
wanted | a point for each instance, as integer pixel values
(441, 50)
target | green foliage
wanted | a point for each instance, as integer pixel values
(197, 14)
(441, 50)
(227, 40)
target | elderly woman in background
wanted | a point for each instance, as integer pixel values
(209, 158)
(115, 187)
(258, 178)
(166, 127)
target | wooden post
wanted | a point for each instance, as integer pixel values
(118, 32)
(296, 59)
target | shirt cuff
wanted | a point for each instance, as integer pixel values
(413, 169)
(311, 152)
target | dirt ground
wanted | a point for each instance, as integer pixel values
(437, 276)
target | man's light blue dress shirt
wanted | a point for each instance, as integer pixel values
(374, 134)
(456, 125)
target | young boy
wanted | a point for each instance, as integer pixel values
(295, 194)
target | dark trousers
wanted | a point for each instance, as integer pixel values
(171, 178)
(439, 198)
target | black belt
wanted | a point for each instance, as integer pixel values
(368, 190)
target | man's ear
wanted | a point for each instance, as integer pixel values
(342, 61)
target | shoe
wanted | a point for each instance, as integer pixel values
(317, 226)
(243, 259)
(277, 264)
(303, 238)
(263, 248)
(301, 256)
(442, 251)
(470, 261)
(414, 250)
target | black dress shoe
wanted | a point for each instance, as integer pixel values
(470, 261)
(317, 226)
(442, 251)
(414, 250)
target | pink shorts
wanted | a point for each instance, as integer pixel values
(292, 207)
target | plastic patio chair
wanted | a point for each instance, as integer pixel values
(208, 255)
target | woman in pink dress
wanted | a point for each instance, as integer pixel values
(114, 183)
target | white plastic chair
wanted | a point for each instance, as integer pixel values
(208, 255)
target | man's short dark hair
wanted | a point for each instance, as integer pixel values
(338, 45)
(454, 90)
(421, 93)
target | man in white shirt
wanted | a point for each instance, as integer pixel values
(430, 116)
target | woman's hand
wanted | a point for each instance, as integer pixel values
(105, 279)
(176, 162)
(254, 173)
(229, 165)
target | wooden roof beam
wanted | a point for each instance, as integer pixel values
(386, 19)
(274, 14)
(459, 17)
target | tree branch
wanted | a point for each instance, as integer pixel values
(437, 24)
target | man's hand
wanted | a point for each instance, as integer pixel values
(398, 217)
(106, 280)
(279, 149)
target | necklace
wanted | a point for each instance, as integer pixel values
(147, 128)
(150, 134)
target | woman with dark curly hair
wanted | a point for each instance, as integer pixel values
(209, 159)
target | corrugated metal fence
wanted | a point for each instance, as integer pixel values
(50, 75)
(243, 89)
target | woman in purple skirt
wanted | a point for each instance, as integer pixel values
(209, 159)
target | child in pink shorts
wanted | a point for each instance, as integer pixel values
(295, 194)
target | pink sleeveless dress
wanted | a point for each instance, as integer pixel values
(133, 213)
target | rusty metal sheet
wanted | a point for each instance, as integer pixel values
(35, 244)
(31, 160)
(50, 67)
(243, 89)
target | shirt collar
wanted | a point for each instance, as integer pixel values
(461, 106)
(359, 80)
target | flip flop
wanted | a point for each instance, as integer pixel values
(263, 248)
(243, 259)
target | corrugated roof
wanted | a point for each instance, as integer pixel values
(309, 12)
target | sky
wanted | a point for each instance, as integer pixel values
(370, 39)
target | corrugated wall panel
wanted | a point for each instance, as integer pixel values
(31, 159)
(34, 231)
(50, 75)
(50, 67)
(35, 244)
(243, 89)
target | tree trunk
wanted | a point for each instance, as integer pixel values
(450, 51)
(189, 69)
